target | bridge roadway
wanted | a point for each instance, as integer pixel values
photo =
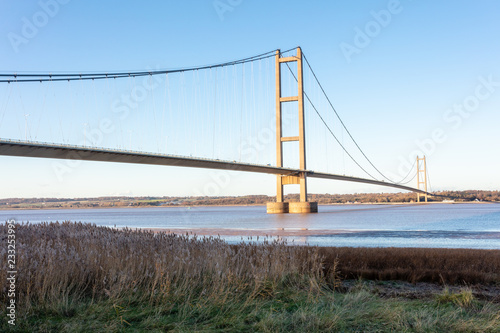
(59, 151)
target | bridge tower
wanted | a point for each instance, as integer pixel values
(303, 206)
(421, 179)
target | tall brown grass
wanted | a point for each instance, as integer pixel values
(448, 266)
(60, 262)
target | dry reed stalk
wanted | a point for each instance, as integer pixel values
(61, 261)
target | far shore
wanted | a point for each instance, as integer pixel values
(246, 205)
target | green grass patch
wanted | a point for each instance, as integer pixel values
(288, 311)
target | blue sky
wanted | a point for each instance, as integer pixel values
(424, 78)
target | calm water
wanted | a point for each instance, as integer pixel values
(435, 225)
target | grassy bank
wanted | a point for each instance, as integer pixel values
(79, 277)
(284, 310)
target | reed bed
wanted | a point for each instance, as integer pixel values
(445, 266)
(64, 261)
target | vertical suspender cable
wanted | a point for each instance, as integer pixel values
(154, 112)
(170, 112)
(11, 86)
(214, 116)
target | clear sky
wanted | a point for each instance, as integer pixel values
(406, 77)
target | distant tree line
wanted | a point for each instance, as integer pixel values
(38, 203)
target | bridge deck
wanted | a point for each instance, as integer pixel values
(56, 151)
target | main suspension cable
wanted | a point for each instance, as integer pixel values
(328, 127)
(343, 125)
(409, 172)
(40, 77)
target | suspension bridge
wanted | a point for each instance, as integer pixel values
(252, 115)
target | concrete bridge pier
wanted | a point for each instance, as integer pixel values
(292, 207)
(277, 207)
(303, 207)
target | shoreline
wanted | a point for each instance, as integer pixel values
(267, 233)
(283, 232)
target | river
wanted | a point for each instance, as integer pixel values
(474, 226)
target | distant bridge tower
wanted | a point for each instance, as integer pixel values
(303, 206)
(421, 179)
